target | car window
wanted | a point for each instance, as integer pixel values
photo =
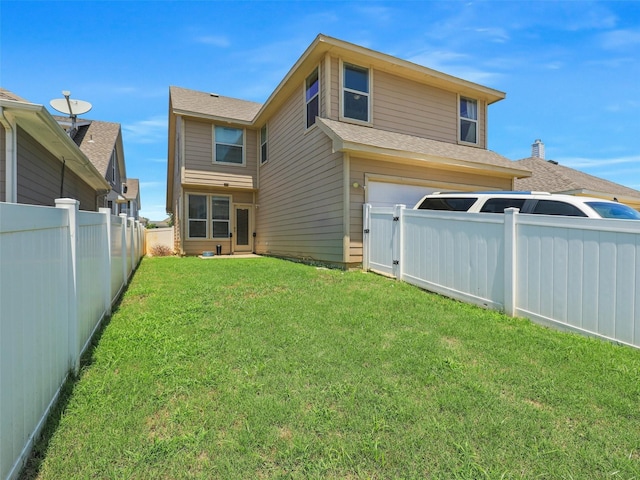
(614, 210)
(554, 207)
(499, 205)
(451, 204)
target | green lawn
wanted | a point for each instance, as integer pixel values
(262, 368)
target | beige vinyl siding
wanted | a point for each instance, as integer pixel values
(299, 205)
(40, 173)
(199, 168)
(3, 165)
(361, 167)
(334, 87)
(405, 106)
(177, 186)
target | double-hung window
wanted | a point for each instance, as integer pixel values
(263, 144)
(228, 145)
(355, 93)
(208, 216)
(468, 120)
(312, 97)
(220, 217)
(197, 216)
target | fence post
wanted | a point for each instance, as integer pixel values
(132, 238)
(397, 246)
(72, 206)
(366, 237)
(510, 260)
(108, 260)
(125, 252)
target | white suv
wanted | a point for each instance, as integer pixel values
(541, 203)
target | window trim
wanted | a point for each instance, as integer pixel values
(315, 70)
(475, 121)
(205, 220)
(369, 94)
(243, 146)
(209, 220)
(263, 144)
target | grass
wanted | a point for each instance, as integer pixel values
(261, 368)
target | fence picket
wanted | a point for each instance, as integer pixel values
(61, 270)
(577, 274)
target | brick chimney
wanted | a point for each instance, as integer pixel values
(537, 149)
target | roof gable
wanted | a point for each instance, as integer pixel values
(209, 105)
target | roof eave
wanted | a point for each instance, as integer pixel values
(215, 118)
(410, 157)
(604, 195)
(32, 118)
(381, 61)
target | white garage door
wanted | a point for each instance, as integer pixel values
(383, 194)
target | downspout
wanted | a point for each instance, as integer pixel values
(62, 178)
(11, 158)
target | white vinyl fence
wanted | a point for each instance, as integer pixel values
(61, 270)
(579, 274)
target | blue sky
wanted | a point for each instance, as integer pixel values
(570, 69)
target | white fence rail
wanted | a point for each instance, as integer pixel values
(578, 274)
(61, 270)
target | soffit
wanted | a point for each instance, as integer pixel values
(39, 123)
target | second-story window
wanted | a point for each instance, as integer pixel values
(312, 97)
(468, 120)
(355, 92)
(263, 144)
(228, 145)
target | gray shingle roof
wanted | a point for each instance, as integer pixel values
(97, 141)
(133, 187)
(549, 177)
(7, 95)
(204, 103)
(400, 142)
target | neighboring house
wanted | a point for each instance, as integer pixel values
(101, 142)
(132, 196)
(347, 125)
(38, 160)
(549, 176)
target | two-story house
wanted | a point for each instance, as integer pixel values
(39, 162)
(347, 125)
(102, 143)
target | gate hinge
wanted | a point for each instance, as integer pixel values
(396, 262)
(366, 230)
(395, 219)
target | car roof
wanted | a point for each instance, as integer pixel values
(531, 194)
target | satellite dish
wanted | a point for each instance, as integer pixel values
(69, 106)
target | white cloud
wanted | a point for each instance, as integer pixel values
(620, 39)
(375, 12)
(151, 130)
(152, 185)
(495, 34)
(213, 40)
(596, 163)
(455, 64)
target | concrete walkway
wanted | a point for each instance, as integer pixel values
(238, 255)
